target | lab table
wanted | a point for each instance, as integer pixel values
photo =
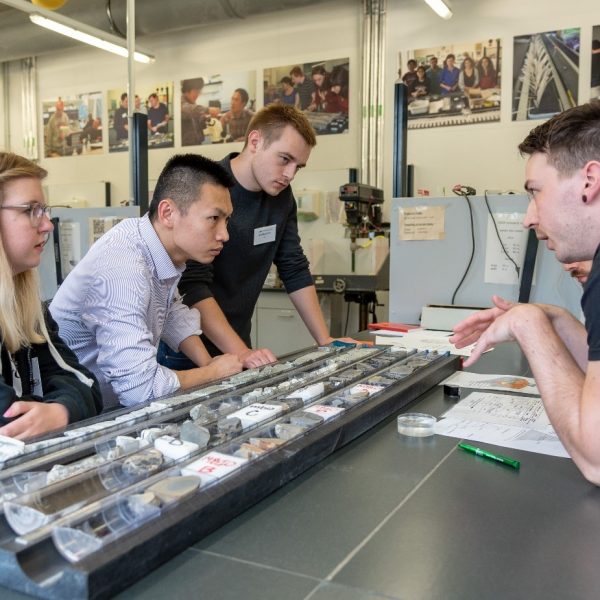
(394, 517)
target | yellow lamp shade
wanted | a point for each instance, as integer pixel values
(49, 4)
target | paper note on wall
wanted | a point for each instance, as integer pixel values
(70, 246)
(422, 223)
(498, 267)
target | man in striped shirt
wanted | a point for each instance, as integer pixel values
(122, 299)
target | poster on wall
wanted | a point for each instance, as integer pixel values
(595, 92)
(156, 102)
(73, 125)
(455, 84)
(545, 73)
(217, 108)
(318, 88)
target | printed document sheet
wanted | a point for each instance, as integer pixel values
(511, 421)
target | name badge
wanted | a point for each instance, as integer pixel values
(263, 235)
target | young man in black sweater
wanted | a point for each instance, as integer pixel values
(263, 230)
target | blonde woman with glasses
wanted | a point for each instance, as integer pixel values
(42, 385)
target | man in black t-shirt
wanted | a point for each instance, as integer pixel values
(563, 183)
(304, 86)
(410, 76)
(158, 115)
(120, 123)
(263, 230)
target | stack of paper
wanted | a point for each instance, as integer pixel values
(422, 339)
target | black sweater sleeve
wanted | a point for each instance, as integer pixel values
(290, 259)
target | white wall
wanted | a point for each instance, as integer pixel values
(484, 156)
(326, 31)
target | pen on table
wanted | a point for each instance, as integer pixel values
(511, 462)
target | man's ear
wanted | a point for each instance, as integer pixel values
(591, 187)
(254, 140)
(165, 211)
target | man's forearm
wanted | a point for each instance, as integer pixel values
(306, 302)
(555, 370)
(571, 332)
(561, 384)
(195, 350)
(194, 377)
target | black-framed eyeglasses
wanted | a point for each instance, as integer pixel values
(36, 211)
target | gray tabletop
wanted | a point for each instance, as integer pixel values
(404, 518)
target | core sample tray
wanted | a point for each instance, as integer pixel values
(86, 513)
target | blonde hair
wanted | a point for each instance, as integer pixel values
(21, 313)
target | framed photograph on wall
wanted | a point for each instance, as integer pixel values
(545, 73)
(73, 125)
(217, 108)
(595, 81)
(319, 88)
(455, 84)
(156, 102)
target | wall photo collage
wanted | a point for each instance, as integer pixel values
(214, 108)
(461, 84)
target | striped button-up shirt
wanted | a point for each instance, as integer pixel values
(117, 304)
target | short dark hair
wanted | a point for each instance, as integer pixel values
(181, 180)
(448, 57)
(569, 139)
(297, 72)
(123, 96)
(153, 95)
(274, 118)
(243, 94)
(187, 85)
(286, 80)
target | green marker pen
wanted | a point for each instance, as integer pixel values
(511, 462)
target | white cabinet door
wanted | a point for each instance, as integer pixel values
(279, 326)
(282, 331)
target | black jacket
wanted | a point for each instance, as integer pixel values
(59, 385)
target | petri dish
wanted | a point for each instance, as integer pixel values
(416, 424)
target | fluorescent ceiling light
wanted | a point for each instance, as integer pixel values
(79, 31)
(103, 42)
(440, 7)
